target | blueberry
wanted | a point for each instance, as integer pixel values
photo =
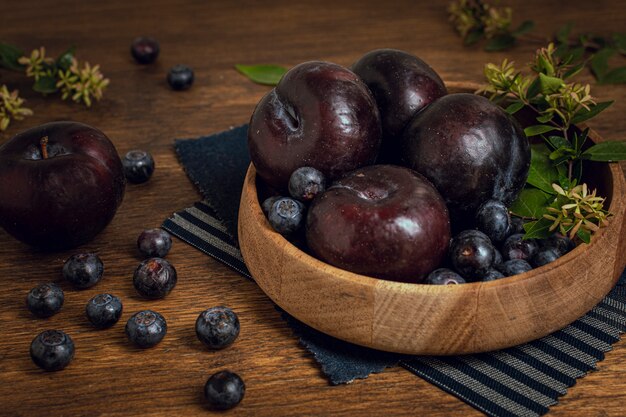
(146, 328)
(144, 50)
(154, 242)
(545, 256)
(286, 215)
(471, 253)
(516, 247)
(83, 270)
(305, 183)
(494, 220)
(517, 226)
(444, 276)
(217, 327)
(492, 275)
(268, 203)
(514, 267)
(498, 259)
(45, 300)
(180, 77)
(104, 310)
(138, 166)
(154, 278)
(562, 244)
(224, 390)
(52, 350)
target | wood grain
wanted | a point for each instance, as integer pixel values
(110, 377)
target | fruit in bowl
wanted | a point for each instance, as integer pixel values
(320, 115)
(61, 184)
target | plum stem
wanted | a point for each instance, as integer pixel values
(44, 147)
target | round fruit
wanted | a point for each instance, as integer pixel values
(444, 276)
(305, 183)
(544, 257)
(52, 350)
(154, 242)
(224, 390)
(471, 150)
(83, 270)
(493, 219)
(515, 267)
(286, 215)
(104, 310)
(45, 300)
(154, 278)
(516, 247)
(402, 85)
(180, 77)
(144, 50)
(138, 166)
(384, 221)
(472, 254)
(217, 327)
(319, 115)
(146, 328)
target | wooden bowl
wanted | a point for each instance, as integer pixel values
(431, 319)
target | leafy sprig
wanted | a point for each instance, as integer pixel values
(476, 20)
(11, 107)
(555, 196)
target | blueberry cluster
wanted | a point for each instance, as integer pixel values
(286, 215)
(497, 249)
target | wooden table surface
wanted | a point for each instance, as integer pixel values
(110, 377)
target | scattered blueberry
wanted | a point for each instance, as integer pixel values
(154, 242)
(471, 253)
(83, 270)
(146, 328)
(138, 166)
(517, 226)
(443, 276)
(545, 256)
(494, 220)
(45, 300)
(154, 278)
(144, 50)
(267, 204)
(562, 244)
(224, 390)
(217, 327)
(52, 350)
(492, 275)
(180, 77)
(286, 215)
(516, 247)
(305, 183)
(514, 267)
(104, 310)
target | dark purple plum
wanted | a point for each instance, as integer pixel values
(319, 115)
(444, 276)
(383, 221)
(471, 150)
(402, 85)
(472, 254)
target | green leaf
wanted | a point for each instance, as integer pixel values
(514, 107)
(473, 36)
(600, 62)
(533, 89)
(550, 85)
(262, 74)
(538, 130)
(574, 70)
(46, 85)
(593, 111)
(620, 42)
(584, 235)
(500, 42)
(542, 174)
(545, 118)
(531, 202)
(615, 76)
(539, 229)
(64, 61)
(562, 34)
(579, 140)
(559, 142)
(9, 55)
(606, 152)
(561, 155)
(525, 27)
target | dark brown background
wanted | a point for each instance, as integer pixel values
(110, 377)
